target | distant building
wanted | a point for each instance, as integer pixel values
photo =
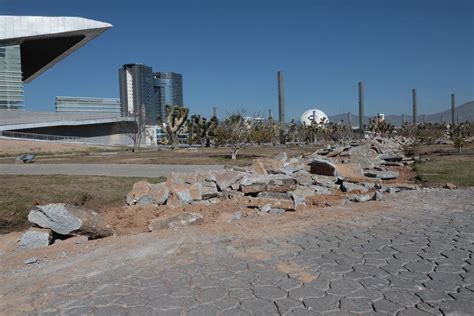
(11, 83)
(168, 90)
(137, 92)
(91, 105)
(30, 45)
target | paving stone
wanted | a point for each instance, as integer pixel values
(286, 304)
(386, 306)
(343, 287)
(304, 292)
(356, 305)
(211, 294)
(258, 306)
(374, 283)
(235, 312)
(419, 267)
(109, 310)
(322, 304)
(456, 308)
(404, 298)
(269, 293)
(203, 310)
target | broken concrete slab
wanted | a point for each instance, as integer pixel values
(225, 179)
(322, 166)
(35, 238)
(352, 187)
(383, 175)
(184, 219)
(271, 183)
(350, 172)
(67, 219)
(281, 157)
(258, 168)
(361, 198)
(157, 194)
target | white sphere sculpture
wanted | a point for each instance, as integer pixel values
(313, 115)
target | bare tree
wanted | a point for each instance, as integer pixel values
(135, 129)
(233, 131)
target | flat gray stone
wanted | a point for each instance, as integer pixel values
(35, 238)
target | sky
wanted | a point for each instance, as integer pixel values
(229, 52)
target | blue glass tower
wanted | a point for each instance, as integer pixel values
(168, 90)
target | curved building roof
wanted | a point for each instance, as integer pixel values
(44, 41)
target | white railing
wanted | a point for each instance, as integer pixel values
(35, 136)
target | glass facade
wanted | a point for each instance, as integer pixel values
(91, 105)
(168, 90)
(136, 91)
(11, 84)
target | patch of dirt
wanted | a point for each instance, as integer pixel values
(292, 269)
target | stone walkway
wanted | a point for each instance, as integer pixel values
(414, 257)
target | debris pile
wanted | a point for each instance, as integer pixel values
(359, 172)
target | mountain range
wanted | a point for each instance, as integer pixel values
(462, 113)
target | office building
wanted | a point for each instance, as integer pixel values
(88, 105)
(137, 92)
(30, 45)
(168, 90)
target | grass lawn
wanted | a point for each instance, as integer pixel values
(19, 193)
(457, 169)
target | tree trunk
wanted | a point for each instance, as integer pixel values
(234, 153)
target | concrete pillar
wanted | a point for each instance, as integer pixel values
(281, 106)
(413, 93)
(453, 106)
(403, 119)
(214, 112)
(361, 106)
(349, 119)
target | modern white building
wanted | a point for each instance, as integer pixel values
(313, 116)
(30, 45)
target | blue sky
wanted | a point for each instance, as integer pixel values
(229, 52)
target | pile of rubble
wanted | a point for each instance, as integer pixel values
(285, 184)
(356, 172)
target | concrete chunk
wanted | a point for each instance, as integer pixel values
(35, 238)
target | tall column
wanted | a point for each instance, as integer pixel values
(413, 93)
(453, 106)
(281, 106)
(403, 119)
(214, 112)
(349, 119)
(361, 106)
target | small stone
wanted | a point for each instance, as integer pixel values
(31, 260)
(377, 196)
(35, 238)
(352, 187)
(361, 198)
(450, 186)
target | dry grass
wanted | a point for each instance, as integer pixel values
(20, 193)
(16, 147)
(202, 156)
(446, 164)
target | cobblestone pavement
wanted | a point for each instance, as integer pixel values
(415, 257)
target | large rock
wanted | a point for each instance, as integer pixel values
(364, 155)
(67, 219)
(322, 166)
(184, 219)
(35, 238)
(258, 168)
(271, 183)
(280, 200)
(146, 193)
(225, 179)
(272, 166)
(350, 172)
(139, 190)
(292, 166)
